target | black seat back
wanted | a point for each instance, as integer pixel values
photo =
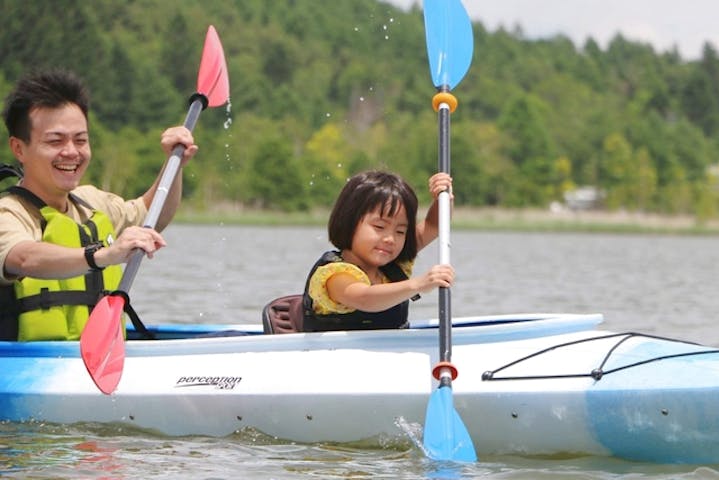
(283, 315)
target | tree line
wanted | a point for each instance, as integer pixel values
(321, 90)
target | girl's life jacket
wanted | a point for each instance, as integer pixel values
(395, 317)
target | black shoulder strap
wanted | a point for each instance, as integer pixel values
(80, 201)
(7, 171)
(395, 274)
(26, 194)
(37, 201)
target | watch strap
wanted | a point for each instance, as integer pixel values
(90, 256)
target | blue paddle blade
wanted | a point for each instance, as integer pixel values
(450, 41)
(445, 436)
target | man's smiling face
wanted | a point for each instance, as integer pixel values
(57, 155)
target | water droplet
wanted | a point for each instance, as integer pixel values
(361, 99)
(328, 114)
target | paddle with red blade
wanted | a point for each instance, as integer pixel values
(449, 47)
(102, 343)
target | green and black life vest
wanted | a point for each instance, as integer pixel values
(395, 317)
(57, 309)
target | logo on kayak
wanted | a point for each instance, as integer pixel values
(223, 383)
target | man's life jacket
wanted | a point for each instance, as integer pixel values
(57, 309)
(395, 317)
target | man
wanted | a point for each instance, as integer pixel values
(61, 244)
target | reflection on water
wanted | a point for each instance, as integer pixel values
(42, 451)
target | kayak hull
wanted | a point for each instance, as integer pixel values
(530, 385)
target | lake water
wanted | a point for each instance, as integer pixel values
(225, 274)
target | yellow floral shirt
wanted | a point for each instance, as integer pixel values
(322, 303)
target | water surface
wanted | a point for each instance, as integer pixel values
(225, 274)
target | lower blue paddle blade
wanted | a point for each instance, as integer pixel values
(445, 436)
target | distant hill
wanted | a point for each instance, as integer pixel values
(320, 90)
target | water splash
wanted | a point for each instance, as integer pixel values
(435, 470)
(412, 430)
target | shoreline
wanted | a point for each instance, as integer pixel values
(464, 218)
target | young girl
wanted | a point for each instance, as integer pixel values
(367, 283)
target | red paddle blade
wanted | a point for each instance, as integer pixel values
(212, 79)
(102, 344)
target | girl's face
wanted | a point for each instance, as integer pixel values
(379, 239)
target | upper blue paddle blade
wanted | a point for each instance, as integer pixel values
(450, 42)
(445, 436)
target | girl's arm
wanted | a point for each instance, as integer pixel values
(345, 289)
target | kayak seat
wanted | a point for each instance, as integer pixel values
(283, 315)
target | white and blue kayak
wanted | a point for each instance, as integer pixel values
(535, 384)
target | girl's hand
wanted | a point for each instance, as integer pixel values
(440, 182)
(437, 276)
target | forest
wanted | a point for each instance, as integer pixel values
(322, 90)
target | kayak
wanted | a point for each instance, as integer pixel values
(530, 384)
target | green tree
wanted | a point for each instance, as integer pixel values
(327, 156)
(530, 148)
(273, 179)
(176, 57)
(323, 84)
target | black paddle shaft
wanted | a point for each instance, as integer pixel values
(445, 314)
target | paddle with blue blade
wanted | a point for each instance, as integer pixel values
(102, 343)
(449, 48)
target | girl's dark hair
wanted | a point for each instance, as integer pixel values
(365, 192)
(51, 89)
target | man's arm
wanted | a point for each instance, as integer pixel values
(47, 260)
(170, 138)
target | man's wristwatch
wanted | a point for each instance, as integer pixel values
(90, 256)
